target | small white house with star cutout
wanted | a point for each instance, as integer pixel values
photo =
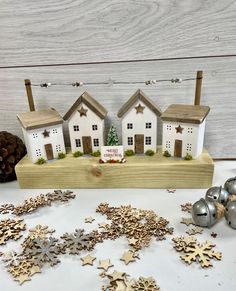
(183, 129)
(43, 134)
(139, 123)
(86, 124)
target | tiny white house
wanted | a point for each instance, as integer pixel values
(139, 123)
(86, 124)
(183, 129)
(43, 135)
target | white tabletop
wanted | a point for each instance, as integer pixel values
(160, 260)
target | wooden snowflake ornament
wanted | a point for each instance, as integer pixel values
(196, 252)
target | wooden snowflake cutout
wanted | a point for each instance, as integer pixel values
(187, 207)
(194, 251)
(146, 284)
(194, 230)
(6, 208)
(10, 229)
(78, 241)
(44, 251)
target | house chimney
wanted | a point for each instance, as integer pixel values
(29, 95)
(197, 100)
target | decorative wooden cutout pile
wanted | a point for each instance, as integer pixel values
(40, 249)
(10, 229)
(195, 251)
(118, 282)
(32, 204)
(139, 226)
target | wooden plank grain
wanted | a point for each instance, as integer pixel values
(51, 31)
(218, 91)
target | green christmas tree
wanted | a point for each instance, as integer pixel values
(112, 138)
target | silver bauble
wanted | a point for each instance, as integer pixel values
(230, 214)
(204, 213)
(217, 194)
(230, 186)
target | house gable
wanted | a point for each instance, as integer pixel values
(138, 96)
(90, 102)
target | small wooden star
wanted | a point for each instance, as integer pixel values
(117, 276)
(34, 270)
(132, 241)
(171, 190)
(87, 260)
(129, 257)
(89, 219)
(179, 129)
(102, 225)
(82, 111)
(139, 108)
(105, 264)
(46, 133)
(22, 278)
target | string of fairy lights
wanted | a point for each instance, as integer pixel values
(112, 82)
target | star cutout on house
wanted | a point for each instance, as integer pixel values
(139, 108)
(46, 133)
(179, 129)
(82, 111)
(87, 260)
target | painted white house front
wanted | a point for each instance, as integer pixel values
(139, 124)
(187, 137)
(86, 125)
(183, 129)
(43, 134)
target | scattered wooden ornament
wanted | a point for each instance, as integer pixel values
(187, 207)
(88, 260)
(194, 230)
(171, 190)
(105, 264)
(89, 219)
(187, 221)
(146, 284)
(6, 208)
(196, 252)
(213, 234)
(11, 229)
(129, 256)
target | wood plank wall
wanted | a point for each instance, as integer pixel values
(92, 41)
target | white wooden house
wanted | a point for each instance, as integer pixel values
(86, 124)
(43, 135)
(183, 129)
(139, 123)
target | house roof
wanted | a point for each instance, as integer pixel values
(90, 102)
(39, 118)
(185, 113)
(139, 95)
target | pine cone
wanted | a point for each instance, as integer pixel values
(12, 150)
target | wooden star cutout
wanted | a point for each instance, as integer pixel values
(87, 260)
(129, 257)
(117, 276)
(102, 225)
(179, 129)
(46, 133)
(89, 219)
(187, 221)
(82, 111)
(105, 264)
(35, 270)
(22, 278)
(139, 108)
(132, 241)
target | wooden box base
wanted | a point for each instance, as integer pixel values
(138, 172)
